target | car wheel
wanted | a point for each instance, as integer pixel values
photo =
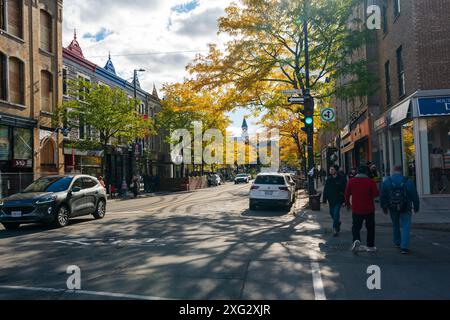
(62, 217)
(11, 225)
(101, 210)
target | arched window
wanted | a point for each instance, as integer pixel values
(46, 91)
(3, 76)
(16, 81)
(15, 17)
(48, 153)
(46, 31)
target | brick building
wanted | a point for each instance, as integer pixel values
(414, 71)
(149, 156)
(30, 89)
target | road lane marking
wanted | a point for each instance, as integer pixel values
(92, 293)
(319, 291)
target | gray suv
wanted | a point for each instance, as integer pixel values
(54, 200)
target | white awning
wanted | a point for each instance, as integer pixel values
(400, 113)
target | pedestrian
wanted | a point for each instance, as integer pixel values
(373, 174)
(135, 186)
(399, 197)
(323, 176)
(362, 190)
(352, 174)
(112, 190)
(102, 182)
(334, 193)
(124, 189)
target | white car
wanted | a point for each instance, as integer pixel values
(241, 178)
(272, 189)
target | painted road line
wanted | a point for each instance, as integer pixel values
(319, 291)
(92, 293)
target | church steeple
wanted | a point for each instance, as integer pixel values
(245, 135)
(155, 92)
(74, 46)
(109, 65)
(244, 124)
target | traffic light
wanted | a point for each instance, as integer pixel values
(308, 114)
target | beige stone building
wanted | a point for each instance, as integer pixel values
(30, 90)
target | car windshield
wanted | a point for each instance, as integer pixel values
(270, 180)
(242, 176)
(51, 184)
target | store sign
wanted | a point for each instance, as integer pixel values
(381, 123)
(434, 106)
(22, 163)
(345, 132)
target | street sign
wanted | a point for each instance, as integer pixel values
(328, 115)
(300, 100)
(292, 92)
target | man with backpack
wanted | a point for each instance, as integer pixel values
(399, 197)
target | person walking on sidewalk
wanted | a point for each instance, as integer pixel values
(334, 193)
(362, 190)
(399, 197)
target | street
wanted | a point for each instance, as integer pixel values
(207, 244)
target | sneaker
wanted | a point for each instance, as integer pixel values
(335, 233)
(405, 251)
(355, 246)
(371, 249)
(397, 246)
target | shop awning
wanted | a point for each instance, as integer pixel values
(348, 148)
(400, 113)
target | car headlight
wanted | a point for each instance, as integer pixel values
(46, 200)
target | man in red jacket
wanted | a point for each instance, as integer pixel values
(363, 192)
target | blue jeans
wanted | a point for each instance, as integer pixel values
(335, 213)
(401, 221)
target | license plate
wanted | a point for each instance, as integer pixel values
(269, 193)
(16, 214)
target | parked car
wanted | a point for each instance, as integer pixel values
(271, 189)
(292, 183)
(54, 200)
(214, 180)
(241, 178)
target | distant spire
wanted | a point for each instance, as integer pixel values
(155, 92)
(109, 65)
(75, 34)
(74, 46)
(244, 124)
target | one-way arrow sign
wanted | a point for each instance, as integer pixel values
(299, 100)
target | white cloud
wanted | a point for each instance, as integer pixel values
(142, 26)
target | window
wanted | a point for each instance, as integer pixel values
(2, 14)
(397, 8)
(23, 144)
(400, 73)
(15, 24)
(5, 144)
(48, 153)
(84, 84)
(16, 81)
(385, 20)
(88, 183)
(439, 149)
(3, 78)
(64, 79)
(46, 91)
(46, 31)
(387, 77)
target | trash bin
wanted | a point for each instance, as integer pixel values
(314, 201)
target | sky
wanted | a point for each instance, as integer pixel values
(160, 36)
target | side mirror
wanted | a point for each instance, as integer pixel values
(76, 189)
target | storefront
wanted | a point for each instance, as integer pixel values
(16, 154)
(83, 162)
(418, 139)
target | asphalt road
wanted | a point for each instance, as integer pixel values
(208, 245)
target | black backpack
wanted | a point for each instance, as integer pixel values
(398, 196)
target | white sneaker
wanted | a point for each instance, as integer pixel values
(355, 246)
(371, 249)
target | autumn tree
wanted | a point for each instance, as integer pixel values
(109, 113)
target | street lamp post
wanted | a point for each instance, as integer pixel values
(135, 74)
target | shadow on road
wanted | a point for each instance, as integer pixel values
(265, 212)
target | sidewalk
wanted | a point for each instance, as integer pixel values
(427, 220)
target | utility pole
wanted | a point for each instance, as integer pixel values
(309, 105)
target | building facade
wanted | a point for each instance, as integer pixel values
(30, 90)
(149, 156)
(414, 126)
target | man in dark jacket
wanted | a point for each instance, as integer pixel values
(399, 196)
(334, 194)
(363, 192)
